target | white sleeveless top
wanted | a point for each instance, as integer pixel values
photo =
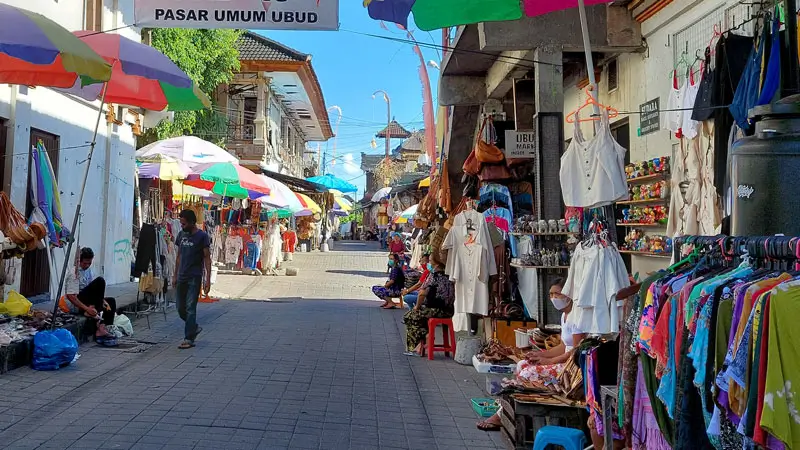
(593, 172)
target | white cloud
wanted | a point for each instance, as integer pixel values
(348, 165)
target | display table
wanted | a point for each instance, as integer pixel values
(524, 414)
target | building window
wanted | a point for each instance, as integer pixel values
(613, 74)
(94, 15)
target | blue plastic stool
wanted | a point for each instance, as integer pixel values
(569, 438)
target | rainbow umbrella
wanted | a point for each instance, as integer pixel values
(164, 168)
(46, 196)
(227, 179)
(407, 215)
(280, 196)
(310, 207)
(36, 51)
(141, 76)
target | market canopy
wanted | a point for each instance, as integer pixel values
(432, 15)
(280, 196)
(189, 149)
(333, 182)
(294, 183)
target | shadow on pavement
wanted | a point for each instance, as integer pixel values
(363, 273)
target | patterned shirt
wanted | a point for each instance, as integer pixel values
(440, 290)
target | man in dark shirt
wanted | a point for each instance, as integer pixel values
(192, 269)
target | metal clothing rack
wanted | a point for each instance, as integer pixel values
(770, 252)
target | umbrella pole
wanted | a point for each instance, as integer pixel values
(587, 49)
(75, 219)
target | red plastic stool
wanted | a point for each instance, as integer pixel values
(448, 335)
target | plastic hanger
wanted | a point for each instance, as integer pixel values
(591, 101)
(681, 62)
(717, 34)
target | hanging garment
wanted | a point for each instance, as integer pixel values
(233, 247)
(501, 217)
(674, 115)
(528, 281)
(271, 248)
(709, 215)
(772, 78)
(731, 58)
(252, 254)
(749, 88)
(592, 173)
(595, 276)
(689, 126)
(684, 208)
(470, 263)
(146, 250)
(704, 102)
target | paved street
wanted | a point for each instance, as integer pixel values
(287, 362)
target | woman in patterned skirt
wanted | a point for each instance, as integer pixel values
(436, 298)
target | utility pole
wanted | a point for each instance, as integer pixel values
(388, 118)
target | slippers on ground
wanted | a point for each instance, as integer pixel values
(412, 354)
(186, 345)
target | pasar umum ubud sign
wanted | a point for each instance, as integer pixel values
(247, 14)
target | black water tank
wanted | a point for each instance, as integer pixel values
(765, 173)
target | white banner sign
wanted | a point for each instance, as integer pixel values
(521, 144)
(246, 14)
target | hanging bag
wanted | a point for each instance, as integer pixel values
(486, 152)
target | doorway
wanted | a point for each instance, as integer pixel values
(35, 276)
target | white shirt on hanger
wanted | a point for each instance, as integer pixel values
(592, 172)
(470, 263)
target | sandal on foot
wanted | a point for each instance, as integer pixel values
(488, 426)
(186, 344)
(412, 354)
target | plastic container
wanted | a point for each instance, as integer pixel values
(483, 367)
(494, 382)
(764, 170)
(485, 407)
(522, 338)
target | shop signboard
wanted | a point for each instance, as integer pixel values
(238, 14)
(649, 117)
(521, 144)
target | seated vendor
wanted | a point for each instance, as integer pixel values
(436, 299)
(397, 246)
(410, 294)
(86, 296)
(392, 288)
(546, 365)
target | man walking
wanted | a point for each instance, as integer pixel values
(192, 268)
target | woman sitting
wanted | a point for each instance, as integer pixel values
(411, 294)
(394, 286)
(436, 298)
(546, 366)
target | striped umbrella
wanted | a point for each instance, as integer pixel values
(228, 180)
(46, 196)
(164, 168)
(142, 76)
(310, 207)
(407, 215)
(36, 51)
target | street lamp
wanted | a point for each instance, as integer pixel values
(336, 131)
(388, 117)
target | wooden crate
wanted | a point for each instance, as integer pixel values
(522, 420)
(504, 330)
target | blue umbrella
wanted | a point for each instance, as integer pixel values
(333, 182)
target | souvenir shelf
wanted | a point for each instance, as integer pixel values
(637, 225)
(648, 178)
(649, 201)
(657, 255)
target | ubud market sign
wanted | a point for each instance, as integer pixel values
(240, 14)
(521, 144)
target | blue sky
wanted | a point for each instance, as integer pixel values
(350, 67)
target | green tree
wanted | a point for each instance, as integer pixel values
(210, 58)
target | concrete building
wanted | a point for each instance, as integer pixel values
(65, 124)
(275, 108)
(530, 73)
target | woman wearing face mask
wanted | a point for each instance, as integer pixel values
(392, 288)
(546, 366)
(436, 300)
(410, 295)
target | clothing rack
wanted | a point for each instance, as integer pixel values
(770, 252)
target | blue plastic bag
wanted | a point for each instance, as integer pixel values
(53, 349)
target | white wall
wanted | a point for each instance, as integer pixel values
(107, 213)
(646, 76)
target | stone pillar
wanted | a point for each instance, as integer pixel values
(260, 121)
(549, 92)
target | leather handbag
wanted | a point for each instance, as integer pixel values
(494, 172)
(486, 152)
(471, 165)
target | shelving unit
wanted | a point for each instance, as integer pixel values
(637, 225)
(650, 201)
(647, 178)
(566, 233)
(655, 255)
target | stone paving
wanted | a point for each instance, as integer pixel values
(273, 369)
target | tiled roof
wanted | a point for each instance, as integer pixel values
(369, 162)
(397, 131)
(254, 47)
(415, 142)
